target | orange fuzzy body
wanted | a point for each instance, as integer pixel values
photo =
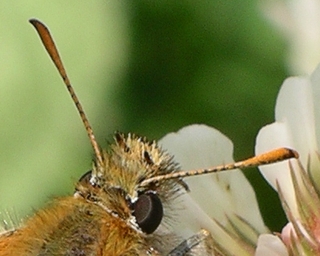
(72, 226)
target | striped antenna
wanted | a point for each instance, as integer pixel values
(270, 157)
(54, 54)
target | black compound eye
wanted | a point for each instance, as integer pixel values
(148, 211)
(85, 178)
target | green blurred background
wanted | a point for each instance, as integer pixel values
(148, 67)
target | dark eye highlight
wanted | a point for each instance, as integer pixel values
(148, 211)
(85, 178)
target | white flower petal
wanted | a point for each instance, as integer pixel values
(270, 137)
(295, 108)
(199, 146)
(294, 128)
(315, 83)
(299, 21)
(287, 232)
(270, 245)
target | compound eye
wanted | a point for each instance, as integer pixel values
(85, 178)
(148, 211)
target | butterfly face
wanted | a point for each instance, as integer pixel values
(116, 186)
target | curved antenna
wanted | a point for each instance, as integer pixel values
(54, 55)
(270, 157)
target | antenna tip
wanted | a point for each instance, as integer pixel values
(291, 153)
(33, 21)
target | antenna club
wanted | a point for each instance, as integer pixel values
(294, 153)
(277, 155)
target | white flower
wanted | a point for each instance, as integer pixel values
(297, 126)
(222, 203)
(270, 245)
(299, 21)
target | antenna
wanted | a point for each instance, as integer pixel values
(54, 55)
(270, 157)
